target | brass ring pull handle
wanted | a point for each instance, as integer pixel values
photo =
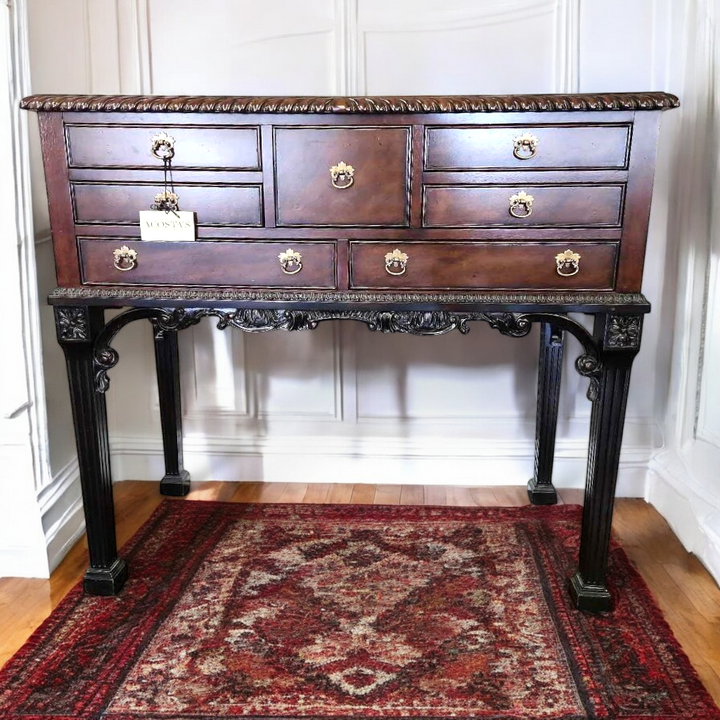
(162, 146)
(396, 262)
(525, 146)
(521, 205)
(290, 262)
(568, 263)
(124, 258)
(342, 176)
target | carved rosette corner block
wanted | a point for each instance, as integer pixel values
(623, 332)
(72, 324)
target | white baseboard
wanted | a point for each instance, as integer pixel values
(62, 512)
(425, 461)
(676, 489)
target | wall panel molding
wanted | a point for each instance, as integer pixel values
(567, 61)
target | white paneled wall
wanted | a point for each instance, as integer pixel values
(342, 403)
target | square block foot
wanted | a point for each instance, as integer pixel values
(175, 485)
(591, 598)
(105, 581)
(541, 494)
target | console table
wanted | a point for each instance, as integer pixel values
(415, 215)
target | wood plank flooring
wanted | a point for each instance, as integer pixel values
(686, 593)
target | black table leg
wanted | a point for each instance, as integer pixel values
(540, 488)
(77, 329)
(176, 481)
(618, 338)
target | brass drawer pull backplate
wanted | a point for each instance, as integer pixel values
(162, 146)
(521, 205)
(525, 146)
(342, 176)
(290, 261)
(124, 258)
(568, 263)
(396, 262)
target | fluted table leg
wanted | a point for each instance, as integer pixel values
(540, 488)
(176, 481)
(619, 339)
(77, 329)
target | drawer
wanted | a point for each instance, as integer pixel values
(126, 146)
(489, 147)
(479, 206)
(119, 204)
(494, 265)
(376, 194)
(227, 264)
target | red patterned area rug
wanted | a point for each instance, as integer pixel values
(315, 611)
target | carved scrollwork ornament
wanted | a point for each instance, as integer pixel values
(590, 367)
(423, 323)
(510, 324)
(105, 358)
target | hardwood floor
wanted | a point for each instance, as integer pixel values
(684, 590)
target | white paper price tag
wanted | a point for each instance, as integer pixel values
(164, 226)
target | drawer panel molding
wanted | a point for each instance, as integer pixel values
(128, 146)
(226, 264)
(342, 177)
(527, 147)
(457, 265)
(119, 204)
(446, 206)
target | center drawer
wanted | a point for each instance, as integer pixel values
(303, 264)
(478, 265)
(342, 177)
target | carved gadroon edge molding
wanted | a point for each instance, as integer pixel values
(158, 295)
(390, 321)
(407, 104)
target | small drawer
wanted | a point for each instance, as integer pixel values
(119, 204)
(446, 206)
(372, 191)
(226, 264)
(490, 265)
(530, 147)
(130, 146)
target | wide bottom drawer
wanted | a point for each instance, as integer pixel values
(495, 265)
(228, 264)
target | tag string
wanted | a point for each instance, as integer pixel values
(167, 200)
